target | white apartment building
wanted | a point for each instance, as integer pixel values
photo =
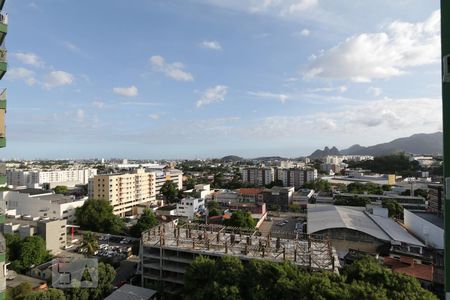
(189, 207)
(174, 175)
(258, 176)
(40, 204)
(36, 178)
(124, 191)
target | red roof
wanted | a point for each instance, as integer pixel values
(406, 265)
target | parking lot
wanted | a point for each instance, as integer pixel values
(283, 226)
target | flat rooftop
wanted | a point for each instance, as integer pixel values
(33, 192)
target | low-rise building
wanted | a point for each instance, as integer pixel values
(52, 231)
(189, 207)
(250, 195)
(278, 197)
(35, 203)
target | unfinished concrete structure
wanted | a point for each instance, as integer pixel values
(167, 250)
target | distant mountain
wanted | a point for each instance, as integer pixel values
(421, 143)
(326, 151)
(231, 158)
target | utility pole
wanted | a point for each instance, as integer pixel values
(445, 41)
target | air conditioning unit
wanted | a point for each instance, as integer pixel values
(446, 69)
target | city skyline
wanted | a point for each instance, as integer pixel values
(208, 78)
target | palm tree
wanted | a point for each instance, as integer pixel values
(90, 243)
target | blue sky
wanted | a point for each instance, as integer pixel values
(206, 78)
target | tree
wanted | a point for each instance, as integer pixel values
(60, 189)
(50, 294)
(213, 205)
(90, 243)
(241, 219)
(146, 221)
(170, 191)
(214, 212)
(106, 274)
(319, 185)
(19, 291)
(27, 252)
(98, 216)
(351, 201)
(394, 208)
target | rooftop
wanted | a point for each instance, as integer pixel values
(332, 217)
(406, 265)
(131, 292)
(250, 191)
(432, 218)
(33, 192)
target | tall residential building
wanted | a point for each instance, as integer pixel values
(296, 177)
(36, 178)
(3, 68)
(124, 191)
(258, 176)
(436, 198)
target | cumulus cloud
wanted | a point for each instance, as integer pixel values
(213, 45)
(131, 91)
(213, 95)
(396, 116)
(56, 79)
(29, 58)
(300, 6)
(391, 52)
(374, 91)
(304, 32)
(22, 74)
(173, 70)
(341, 89)
(268, 95)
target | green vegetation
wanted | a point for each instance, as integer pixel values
(318, 185)
(60, 189)
(90, 243)
(25, 253)
(98, 216)
(394, 208)
(242, 219)
(106, 274)
(361, 188)
(146, 221)
(351, 201)
(170, 191)
(24, 291)
(228, 278)
(389, 164)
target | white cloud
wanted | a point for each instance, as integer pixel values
(304, 32)
(374, 91)
(300, 6)
(22, 74)
(131, 91)
(341, 89)
(72, 47)
(392, 52)
(29, 58)
(268, 95)
(213, 45)
(57, 78)
(98, 104)
(154, 116)
(213, 95)
(399, 117)
(173, 70)
(79, 115)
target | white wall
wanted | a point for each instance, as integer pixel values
(429, 233)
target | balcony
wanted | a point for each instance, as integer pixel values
(3, 62)
(3, 99)
(3, 25)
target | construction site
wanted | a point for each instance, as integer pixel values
(166, 251)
